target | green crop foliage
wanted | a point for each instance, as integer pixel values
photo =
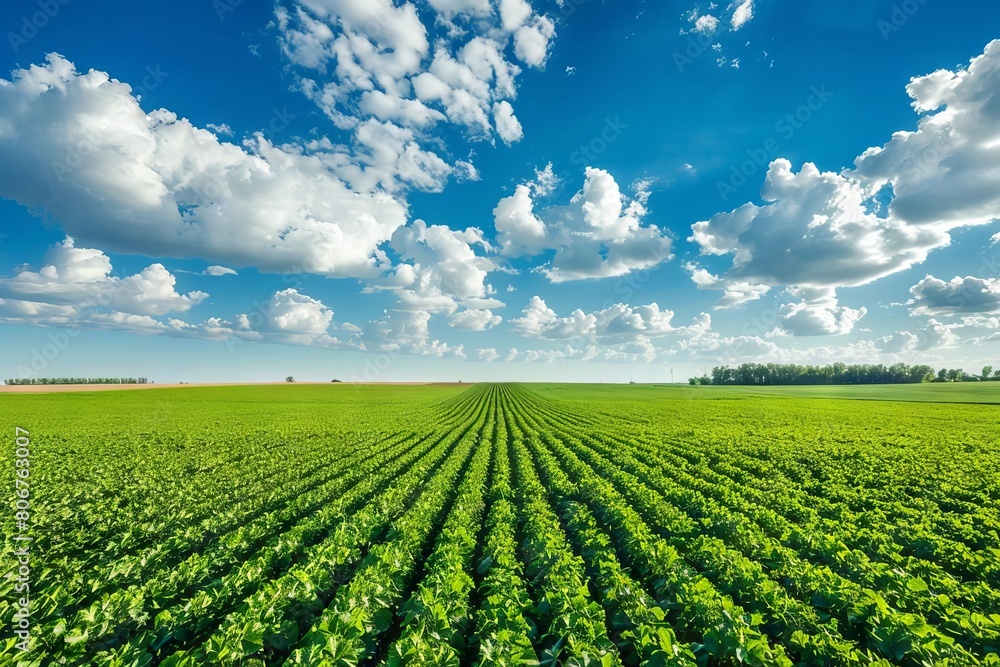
(506, 524)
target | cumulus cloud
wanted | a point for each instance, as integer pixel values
(735, 292)
(156, 185)
(946, 173)
(508, 127)
(489, 355)
(440, 269)
(513, 14)
(934, 335)
(828, 230)
(546, 181)
(815, 230)
(362, 59)
(466, 171)
(519, 230)
(959, 295)
(815, 313)
(384, 157)
(474, 320)
(598, 234)
(615, 324)
(531, 42)
(406, 332)
(720, 21)
(742, 14)
(538, 320)
(82, 277)
(805, 319)
(706, 24)
(293, 313)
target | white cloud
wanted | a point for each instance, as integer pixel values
(154, 184)
(540, 321)
(742, 14)
(82, 277)
(449, 8)
(466, 171)
(616, 324)
(361, 60)
(959, 295)
(384, 157)
(407, 332)
(531, 42)
(805, 319)
(489, 355)
(508, 127)
(619, 322)
(546, 181)
(823, 229)
(513, 13)
(367, 42)
(519, 231)
(706, 24)
(598, 235)
(413, 113)
(442, 268)
(474, 320)
(221, 130)
(735, 293)
(815, 230)
(934, 335)
(947, 173)
(293, 313)
(216, 270)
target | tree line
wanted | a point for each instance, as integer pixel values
(34, 381)
(838, 373)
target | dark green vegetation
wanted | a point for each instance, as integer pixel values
(509, 524)
(838, 373)
(44, 381)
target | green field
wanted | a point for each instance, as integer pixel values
(501, 524)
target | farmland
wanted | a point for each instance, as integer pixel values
(504, 524)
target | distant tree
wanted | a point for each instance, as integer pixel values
(996, 374)
(987, 372)
(289, 379)
(335, 380)
(942, 375)
(837, 373)
(956, 374)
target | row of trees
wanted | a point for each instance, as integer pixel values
(838, 373)
(33, 381)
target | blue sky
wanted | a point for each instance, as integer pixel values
(476, 189)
